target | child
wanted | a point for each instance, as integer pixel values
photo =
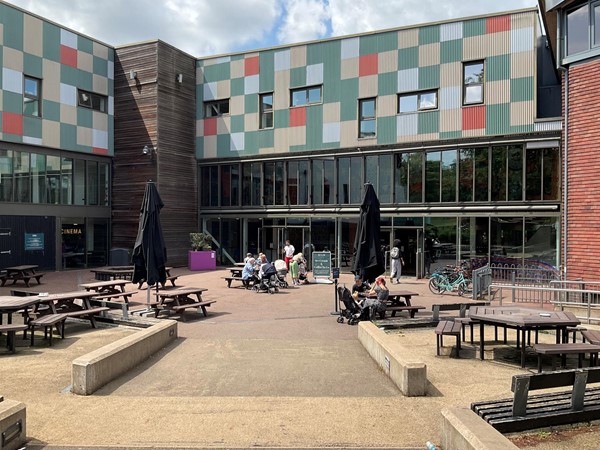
(294, 271)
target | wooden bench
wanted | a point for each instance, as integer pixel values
(462, 308)
(394, 309)
(525, 412)
(115, 295)
(231, 279)
(24, 278)
(591, 336)
(563, 350)
(574, 330)
(22, 293)
(200, 305)
(447, 328)
(48, 321)
(87, 313)
(10, 329)
(106, 303)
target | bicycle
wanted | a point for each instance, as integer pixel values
(450, 279)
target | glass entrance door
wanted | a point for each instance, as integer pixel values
(411, 245)
(272, 240)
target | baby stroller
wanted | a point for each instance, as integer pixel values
(349, 310)
(281, 273)
(302, 272)
(267, 279)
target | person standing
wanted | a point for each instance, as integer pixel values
(288, 252)
(294, 272)
(397, 262)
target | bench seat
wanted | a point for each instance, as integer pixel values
(199, 305)
(24, 278)
(394, 309)
(447, 328)
(112, 304)
(48, 321)
(10, 329)
(115, 295)
(87, 313)
(231, 279)
(565, 349)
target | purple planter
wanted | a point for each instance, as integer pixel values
(202, 260)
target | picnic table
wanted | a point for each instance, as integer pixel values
(178, 300)
(106, 287)
(10, 304)
(524, 320)
(23, 273)
(113, 272)
(71, 304)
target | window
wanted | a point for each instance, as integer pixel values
(217, 108)
(417, 101)
(306, 96)
(366, 110)
(93, 101)
(31, 97)
(473, 77)
(577, 30)
(266, 111)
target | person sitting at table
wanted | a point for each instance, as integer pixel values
(248, 257)
(381, 293)
(249, 273)
(359, 286)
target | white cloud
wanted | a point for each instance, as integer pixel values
(303, 20)
(209, 27)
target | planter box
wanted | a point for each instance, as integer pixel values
(202, 260)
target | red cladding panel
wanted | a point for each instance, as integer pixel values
(12, 123)
(68, 56)
(497, 24)
(99, 151)
(210, 126)
(367, 65)
(251, 66)
(473, 117)
(297, 117)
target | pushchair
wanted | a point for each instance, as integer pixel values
(281, 273)
(349, 310)
(302, 272)
(267, 279)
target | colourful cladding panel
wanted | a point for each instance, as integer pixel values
(497, 24)
(429, 34)
(408, 58)
(13, 27)
(475, 27)
(521, 89)
(267, 72)
(367, 65)
(473, 117)
(497, 119)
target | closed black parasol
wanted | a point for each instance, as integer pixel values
(150, 253)
(368, 257)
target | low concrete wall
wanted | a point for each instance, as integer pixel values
(410, 375)
(94, 370)
(462, 429)
(13, 431)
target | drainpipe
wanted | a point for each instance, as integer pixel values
(565, 164)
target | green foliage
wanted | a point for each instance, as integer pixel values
(200, 241)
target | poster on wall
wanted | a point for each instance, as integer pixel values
(34, 241)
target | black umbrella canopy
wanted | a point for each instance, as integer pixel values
(368, 258)
(150, 253)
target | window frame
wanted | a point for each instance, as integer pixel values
(306, 89)
(102, 107)
(218, 103)
(367, 119)
(466, 85)
(266, 112)
(37, 98)
(418, 95)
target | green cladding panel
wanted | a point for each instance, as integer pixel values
(429, 77)
(85, 117)
(32, 65)
(51, 42)
(217, 72)
(497, 68)
(100, 67)
(237, 123)
(451, 51)
(348, 99)
(266, 71)
(428, 122)
(408, 58)
(250, 103)
(475, 27)
(386, 130)
(387, 83)
(314, 127)
(429, 35)
(323, 52)
(32, 127)
(298, 77)
(251, 143)
(12, 102)
(266, 138)
(521, 89)
(281, 118)
(51, 110)
(237, 86)
(367, 45)
(68, 136)
(497, 119)
(84, 44)
(13, 27)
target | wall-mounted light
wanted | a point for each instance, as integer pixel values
(179, 78)
(148, 151)
(132, 74)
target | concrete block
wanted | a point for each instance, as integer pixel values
(13, 430)
(462, 429)
(92, 371)
(410, 375)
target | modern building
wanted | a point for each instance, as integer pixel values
(457, 124)
(574, 37)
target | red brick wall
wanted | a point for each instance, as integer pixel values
(583, 208)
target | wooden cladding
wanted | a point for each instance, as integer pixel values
(155, 109)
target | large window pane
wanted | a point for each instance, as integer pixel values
(385, 179)
(205, 186)
(499, 174)
(328, 182)
(66, 181)
(506, 240)
(515, 173)
(246, 184)
(92, 183)
(279, 183)
(79, 182)
(401, 178)
(53, 179)
(38, 178)
(541, 239)
(104, 183)
(317, 182)
(533, 174)
(269, 184)
(356, 180)
(415, 170)
(6, 175)
(474, 241)
(440, 242)
(225, 185)
(449, 176)
(344, 180)
(465, 177)
(303, 183)
(578, 30)
(292, 183)
(481, 192)
(432, 177)
(256, 178)
(551, 181)
(596, 24)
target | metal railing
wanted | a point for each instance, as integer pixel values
(577, 300)
(482, 280)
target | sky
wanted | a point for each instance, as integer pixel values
(212, 27)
